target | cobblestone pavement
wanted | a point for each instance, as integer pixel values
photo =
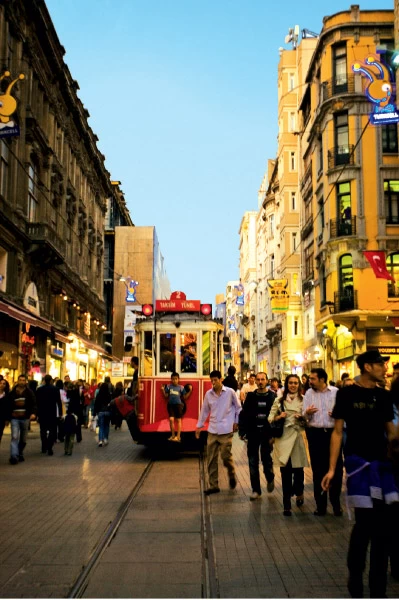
(55, 509)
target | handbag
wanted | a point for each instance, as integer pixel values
(277, 427)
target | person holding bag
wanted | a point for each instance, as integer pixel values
(289, 449)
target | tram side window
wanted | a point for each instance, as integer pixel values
(188, 352)
(167, 357)
(148, 353)
(206, 352)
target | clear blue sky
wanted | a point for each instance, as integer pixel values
(182, 95)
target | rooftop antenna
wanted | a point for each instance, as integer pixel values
(306, 33)
(293, 36)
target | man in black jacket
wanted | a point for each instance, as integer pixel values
(21, 408)
(255, 427)
(49, 409)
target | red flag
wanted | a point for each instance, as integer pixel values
(376, 259)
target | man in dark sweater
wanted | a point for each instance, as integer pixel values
(49, 409)
(255, 427)
(21, 408)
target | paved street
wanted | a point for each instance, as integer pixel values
(55, 509)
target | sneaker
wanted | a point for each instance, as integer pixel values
(233, 483)
(210, 491)
(254, 496)
(299, 501)
(105, 442)
(270, 486)
(287, 512)
(100, 444)
(320, 513)
(21, 458)
(50, 453)
(13, 460)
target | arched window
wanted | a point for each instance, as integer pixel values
(393, 269)
(346, 291)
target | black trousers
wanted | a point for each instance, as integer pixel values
(48, 434)
(293, 483)
(319, 450)
(378, 527)
(256, 441)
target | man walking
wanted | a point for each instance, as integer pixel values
(223, 408)
(250, 386)
(49, 410)
(255, 427)
(367, 411)
(21, 408)
(318, 404)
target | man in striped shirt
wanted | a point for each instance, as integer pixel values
(318, 404)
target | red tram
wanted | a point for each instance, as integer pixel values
(179, 336)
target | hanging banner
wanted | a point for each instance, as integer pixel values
(8, 106)
(131, 290)
(239, 293)
(231, 323)
(379, 90)
(377, 262)
(279, 298)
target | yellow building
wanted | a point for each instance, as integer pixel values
(349, 196)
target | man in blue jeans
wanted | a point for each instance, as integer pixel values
(21, 410)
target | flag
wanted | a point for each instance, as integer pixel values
(377, 262)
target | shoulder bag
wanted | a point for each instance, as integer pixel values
(277, 427)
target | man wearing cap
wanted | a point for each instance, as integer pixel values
(366, 408)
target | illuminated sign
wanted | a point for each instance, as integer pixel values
(57, 351)
(279, 299)
(131, 291)
(379, 90)
(8, 106)
(177, 305)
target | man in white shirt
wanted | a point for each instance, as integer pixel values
(223, 408)
(250, 386)
(318, 404)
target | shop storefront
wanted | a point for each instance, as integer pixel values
(55, 360)
(387, 343)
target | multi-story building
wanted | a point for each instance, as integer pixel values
(349, 195)
(261, 276)
(53, 191)
(248, 330)
(234, 313)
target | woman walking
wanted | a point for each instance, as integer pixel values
(289, 449)
(101, 408)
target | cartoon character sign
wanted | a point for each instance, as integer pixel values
(239, 293)
(379, 90)
(131, 291)
(279, 297)
(8, 106)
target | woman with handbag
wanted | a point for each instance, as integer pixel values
(289, 449)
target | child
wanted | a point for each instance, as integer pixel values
(69, 430)
(175, 394)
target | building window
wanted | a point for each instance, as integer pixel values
(294, 241)
(272, 266)
(346, 298)
(389, 135)
(293, 200)
(32, 194)
(322, 279)
(292, 121)
(344, 203)
(341, 138)
(393, 268)
(292, 161)
(296, 326)
(320, 155)
(271, 224)
(321, 214)
(291, 81)
(4, 157)
(307, 324)
(391, 201)
(340, 76)
(308, 261)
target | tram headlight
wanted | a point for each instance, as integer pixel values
(147, 310)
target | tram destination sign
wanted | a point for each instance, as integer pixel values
(177, 305)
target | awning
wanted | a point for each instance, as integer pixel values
(61, 338)
(22, 315)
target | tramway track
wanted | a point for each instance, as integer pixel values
(210, 581)
(82, 582)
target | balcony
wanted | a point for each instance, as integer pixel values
(307, 228)
(332, 88)
(46, 244)
(342, 227)
(341, 155)
(345, 300)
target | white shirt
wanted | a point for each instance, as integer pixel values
(324, 402)
(247, 387)
(222, 410)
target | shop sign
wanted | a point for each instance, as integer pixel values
(131, 290)
(117, 369)
(177, 305)
(86, 324)
(279, 299)
(57, 351)
(379, 90)
(385, 350)
(31, 298)
(26, 339)
(8, 106)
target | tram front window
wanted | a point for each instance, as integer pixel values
(188, 357)
(167, 359)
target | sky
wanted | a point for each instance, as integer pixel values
(182, 95)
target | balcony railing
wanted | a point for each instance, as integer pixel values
(345, 300)
(308, 227)
(341, 155)
(332, 88)
(46, 241)
(342, 227)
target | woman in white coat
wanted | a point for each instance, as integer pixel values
(289, 450)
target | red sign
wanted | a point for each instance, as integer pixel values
(177, 305)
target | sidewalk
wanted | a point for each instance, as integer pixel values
(54, 509)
